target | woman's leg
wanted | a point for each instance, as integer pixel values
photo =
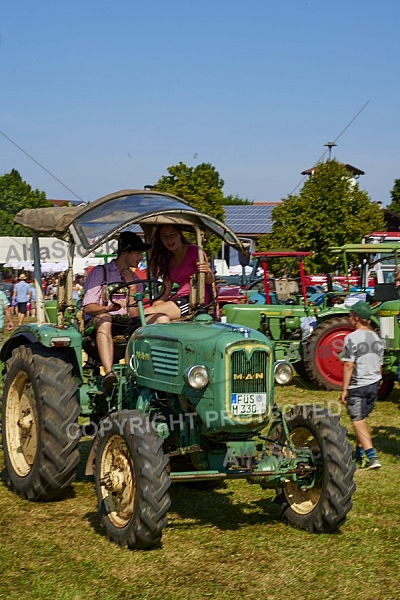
(157, 318)
(167, 308)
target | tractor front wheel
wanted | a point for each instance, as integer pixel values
(131, 480)
(321, 503)
(40, 431)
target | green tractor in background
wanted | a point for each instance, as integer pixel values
(308, 331)
(194, 400)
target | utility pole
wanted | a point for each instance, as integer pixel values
(330, 146)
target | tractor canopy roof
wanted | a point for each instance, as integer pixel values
(281, 254)
(392, 247)
(91, 225)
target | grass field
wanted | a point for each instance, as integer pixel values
(229, 543)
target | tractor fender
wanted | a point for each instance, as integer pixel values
(22, 338)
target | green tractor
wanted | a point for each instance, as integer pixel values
(308, 331)
(381, 259)
(194, 400)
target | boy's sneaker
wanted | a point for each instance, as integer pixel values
(371, 464)
(360, 462)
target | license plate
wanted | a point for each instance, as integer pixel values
(248, 404)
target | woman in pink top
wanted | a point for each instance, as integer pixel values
(174, 259)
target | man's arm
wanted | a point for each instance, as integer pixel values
(97, 309)
(348, 368)
(93, 300)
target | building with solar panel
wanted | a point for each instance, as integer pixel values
(248, 221)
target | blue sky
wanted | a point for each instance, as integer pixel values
(107, 95)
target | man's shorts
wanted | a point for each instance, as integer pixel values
(121, 325)
(361, 401)
(22, 307)
(182, 303)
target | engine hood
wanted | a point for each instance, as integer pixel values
(202, 328)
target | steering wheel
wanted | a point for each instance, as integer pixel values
(114, 288)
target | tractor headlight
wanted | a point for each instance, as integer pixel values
(197, 377)
(283, 372)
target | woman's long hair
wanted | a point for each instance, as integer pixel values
(160, 255)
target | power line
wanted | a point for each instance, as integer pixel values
(334, 142)
(44, 168)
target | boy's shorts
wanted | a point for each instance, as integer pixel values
(361, 401)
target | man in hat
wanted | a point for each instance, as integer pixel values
(363, 357)
(22, 295)
(111, 318)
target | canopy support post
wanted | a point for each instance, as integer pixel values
(41, 315)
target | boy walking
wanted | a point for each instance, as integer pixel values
(362, 357)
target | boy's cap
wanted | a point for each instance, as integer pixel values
(362, 309)
(129, 241)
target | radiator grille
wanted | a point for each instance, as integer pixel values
(249, 373)
(165, 360)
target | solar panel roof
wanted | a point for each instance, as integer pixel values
(244, 219)
(249, 219)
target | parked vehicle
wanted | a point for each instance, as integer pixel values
(381, 259)
(194, 400)
(308, 330)
(303, 329)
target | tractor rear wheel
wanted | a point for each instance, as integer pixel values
(322, 353)
(40, 431)
(322, 504)
(131, 481)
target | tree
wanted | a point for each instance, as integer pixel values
(16, 194)
(330, 210)
(394, 206)
(201, 186)
(235, 199)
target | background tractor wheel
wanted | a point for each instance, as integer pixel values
(301, 370)
(385, 389)
(323, 507)
(322, 353)
(40, 433)
(131, 481)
